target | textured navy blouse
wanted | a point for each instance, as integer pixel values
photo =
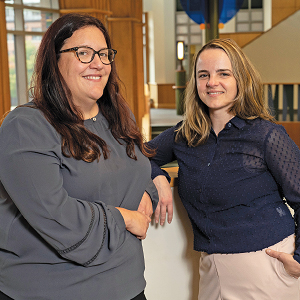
(234, 186)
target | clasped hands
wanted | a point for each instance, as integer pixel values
(137, 222)
(145, 210)
(165, 204)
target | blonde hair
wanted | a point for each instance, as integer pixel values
(249, 103)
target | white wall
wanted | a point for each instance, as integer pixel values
(172, 266)
(161, 16)
(276, 53)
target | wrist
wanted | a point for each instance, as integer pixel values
(127, 216)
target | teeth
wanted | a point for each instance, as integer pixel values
(215, 93)
(92, 77)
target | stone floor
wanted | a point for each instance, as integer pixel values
(164, 117)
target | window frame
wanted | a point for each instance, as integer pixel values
(19, 34)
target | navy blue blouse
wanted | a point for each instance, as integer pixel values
(236, 185)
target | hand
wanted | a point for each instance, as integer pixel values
(146, 205)
(292, 267)
(165, 204)
(136, 222)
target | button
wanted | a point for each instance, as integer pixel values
(208, 164)
(229, 124)
(94, 119)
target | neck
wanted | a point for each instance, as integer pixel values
(89, 112)
(219, 120)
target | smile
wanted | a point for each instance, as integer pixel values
(92, 77)
(214, 93)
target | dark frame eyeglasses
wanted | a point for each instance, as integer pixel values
(106, 55)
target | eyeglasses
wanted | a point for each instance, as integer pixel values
(87, 54)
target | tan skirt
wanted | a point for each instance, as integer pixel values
(248, 276)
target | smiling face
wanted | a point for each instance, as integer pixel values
(216, 85)
(86, 81)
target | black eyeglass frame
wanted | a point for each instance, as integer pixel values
(75, 49)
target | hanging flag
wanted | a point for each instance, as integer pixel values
(197, 10)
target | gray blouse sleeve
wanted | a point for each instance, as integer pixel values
(152, 191)
(81, 231)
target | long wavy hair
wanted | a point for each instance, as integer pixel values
(248, 104)
(53, 97)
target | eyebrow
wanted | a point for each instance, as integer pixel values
(219, 70)
(86, 46)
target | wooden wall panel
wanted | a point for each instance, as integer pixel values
(125, 26)
(242, 39)
(293, 130)
(97, 9)
(163, 95)
(283, 9)
(125, 56)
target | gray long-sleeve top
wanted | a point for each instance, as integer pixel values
(61, 236)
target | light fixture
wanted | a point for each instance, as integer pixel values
(180, 81)
(180, 50)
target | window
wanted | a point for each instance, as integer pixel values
(178, 6)
(26, 22)
(250, 17)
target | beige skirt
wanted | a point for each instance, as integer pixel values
(248, 276)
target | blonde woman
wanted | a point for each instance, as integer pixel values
(237, 171)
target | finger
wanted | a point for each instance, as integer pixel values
(170, 213)
(274, 253)
(163, 212)
(157, 214)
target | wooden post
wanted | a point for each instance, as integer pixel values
(212, 26)
(125, 26)
(4, 74)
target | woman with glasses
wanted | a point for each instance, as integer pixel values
(237, 171)
(76, 194)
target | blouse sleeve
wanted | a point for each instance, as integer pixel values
(283, 160)
(163, 144)
(152, 192)
(87, 233)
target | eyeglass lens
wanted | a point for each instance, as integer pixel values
(86, 55)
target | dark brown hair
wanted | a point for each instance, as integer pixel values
(53, 97)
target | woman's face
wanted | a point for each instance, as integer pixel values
(85, 81)
(216, 85)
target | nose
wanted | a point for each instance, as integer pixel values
(96, 62)
(212, 81)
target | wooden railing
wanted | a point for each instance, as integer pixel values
(284, 100)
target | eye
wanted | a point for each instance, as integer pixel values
(104, 54)
(202, 75)
(83, 52)
(224, 74)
